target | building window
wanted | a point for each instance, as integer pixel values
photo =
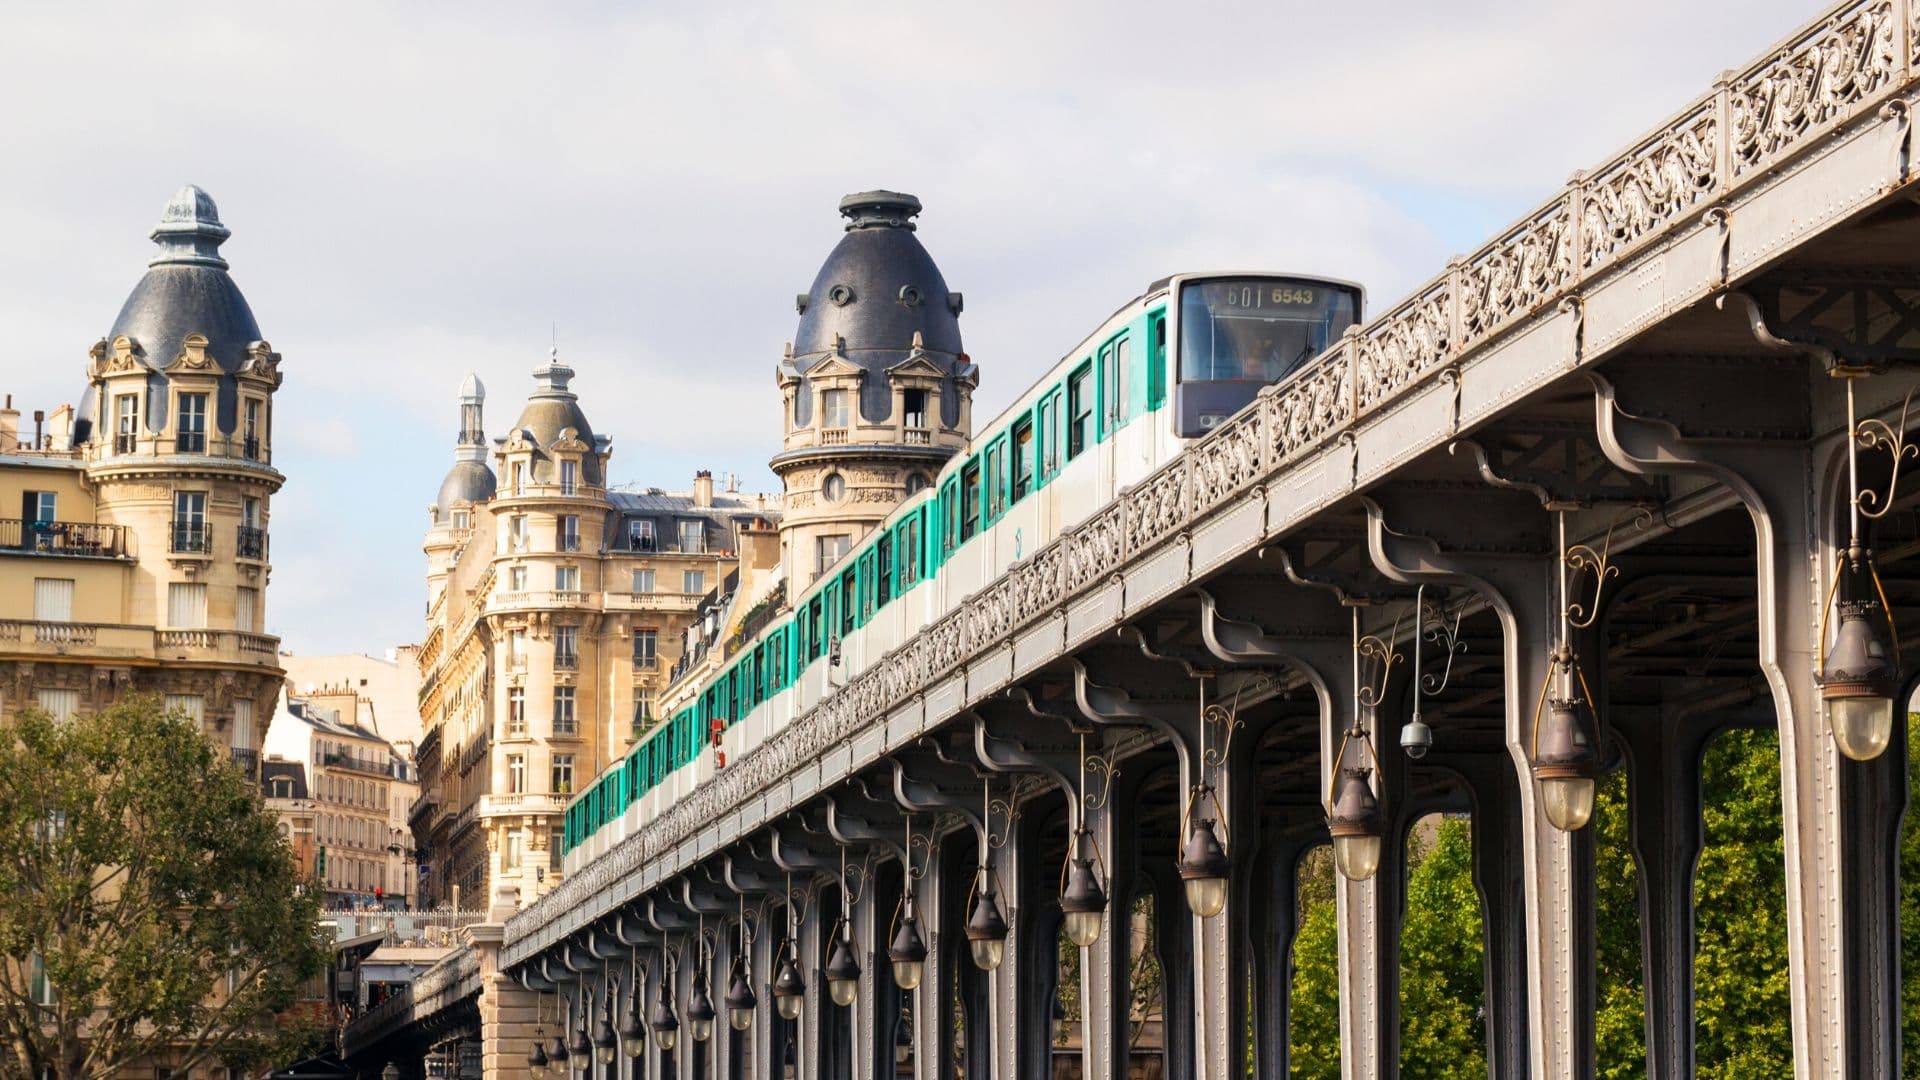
(569, 477)
(241, 735)
(250, 430)
(516, 711)
(516, 579)
(914, 403)
(190, 522)
(191, 431)
(246, 609)
(563, 774)
(643, 581)
(59, 704)
(829, 550)
(642, 708)
(566, 647)
(510, 851)
(646, 648)
(693, 536)
(566, 579)
(52, 599)
(640, 535)
(514, 474)
(187, 605)
(916, 483)
(517, 532)
(517, 650)
(462, 520)
(564, 721)
(833, 488)
(191, 706)
(39, 987)
(126, 424)
(252, 542)
(694, 582)
(569, 532)
(516, 773)
(833, 409)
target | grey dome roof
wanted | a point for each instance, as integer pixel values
(551, 409)
(466, 482)
(877, 289)
(186, 290)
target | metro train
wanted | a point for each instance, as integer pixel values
(1117, 407)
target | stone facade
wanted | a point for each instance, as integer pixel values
(556, 608)
(138, 559)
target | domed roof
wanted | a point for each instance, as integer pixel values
(551, 409)
(472, 389)
(186, 290)
(466, 482)
(876, 291)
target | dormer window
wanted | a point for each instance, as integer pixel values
(250, 431)
(693, 536)
(190, 434)
(833, 408)
(640, 535)
(914, 405)
(569, 477)
(126, 423)
(514, 473)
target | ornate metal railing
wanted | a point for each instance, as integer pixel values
(250, 542)
(1835, 70)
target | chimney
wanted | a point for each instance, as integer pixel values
(9, 427)
(703, 488)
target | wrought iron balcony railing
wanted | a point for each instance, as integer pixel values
(63, 538)
(194, 537)
(251, 542)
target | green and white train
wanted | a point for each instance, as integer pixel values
(1160, 372)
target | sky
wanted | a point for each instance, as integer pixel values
(420, 191)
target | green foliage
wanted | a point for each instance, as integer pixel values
(139, 866)
(1620, 1027)
(1442, 1007)
(1314, 1023)
(1740, 981)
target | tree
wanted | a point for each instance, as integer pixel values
(149, 908)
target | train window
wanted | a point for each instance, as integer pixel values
(910, 550)
(969, 500)
(1047, 430)
(949, 517)
(883, 578)
(1122, 380)
(1113, 381)
(849, 597)
(1079, 411)
(1022, 458)
(1257, 331)
(996, 479)
(1156, 359)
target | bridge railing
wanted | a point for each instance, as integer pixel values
(1754, 120)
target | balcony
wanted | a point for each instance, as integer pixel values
(190, 442)
(250, 542)
(566, 661)
(646, 663)
(334, 759)
(833, 436)
(522, 803)
(200, 643)
(75, 538)
(248, 760)
(918, 437)
(250, 448)
(191, 537)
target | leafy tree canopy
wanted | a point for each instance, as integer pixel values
(149, 908)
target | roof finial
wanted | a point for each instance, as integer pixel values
(879, 210)
(190, 232)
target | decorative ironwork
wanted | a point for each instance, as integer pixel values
(1582, 559)
(1874, 433)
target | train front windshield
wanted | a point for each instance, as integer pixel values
(1258, 330)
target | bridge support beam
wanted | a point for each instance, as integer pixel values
(1539, 968)
(1780, 487)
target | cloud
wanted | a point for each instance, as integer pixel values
(419, 191)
